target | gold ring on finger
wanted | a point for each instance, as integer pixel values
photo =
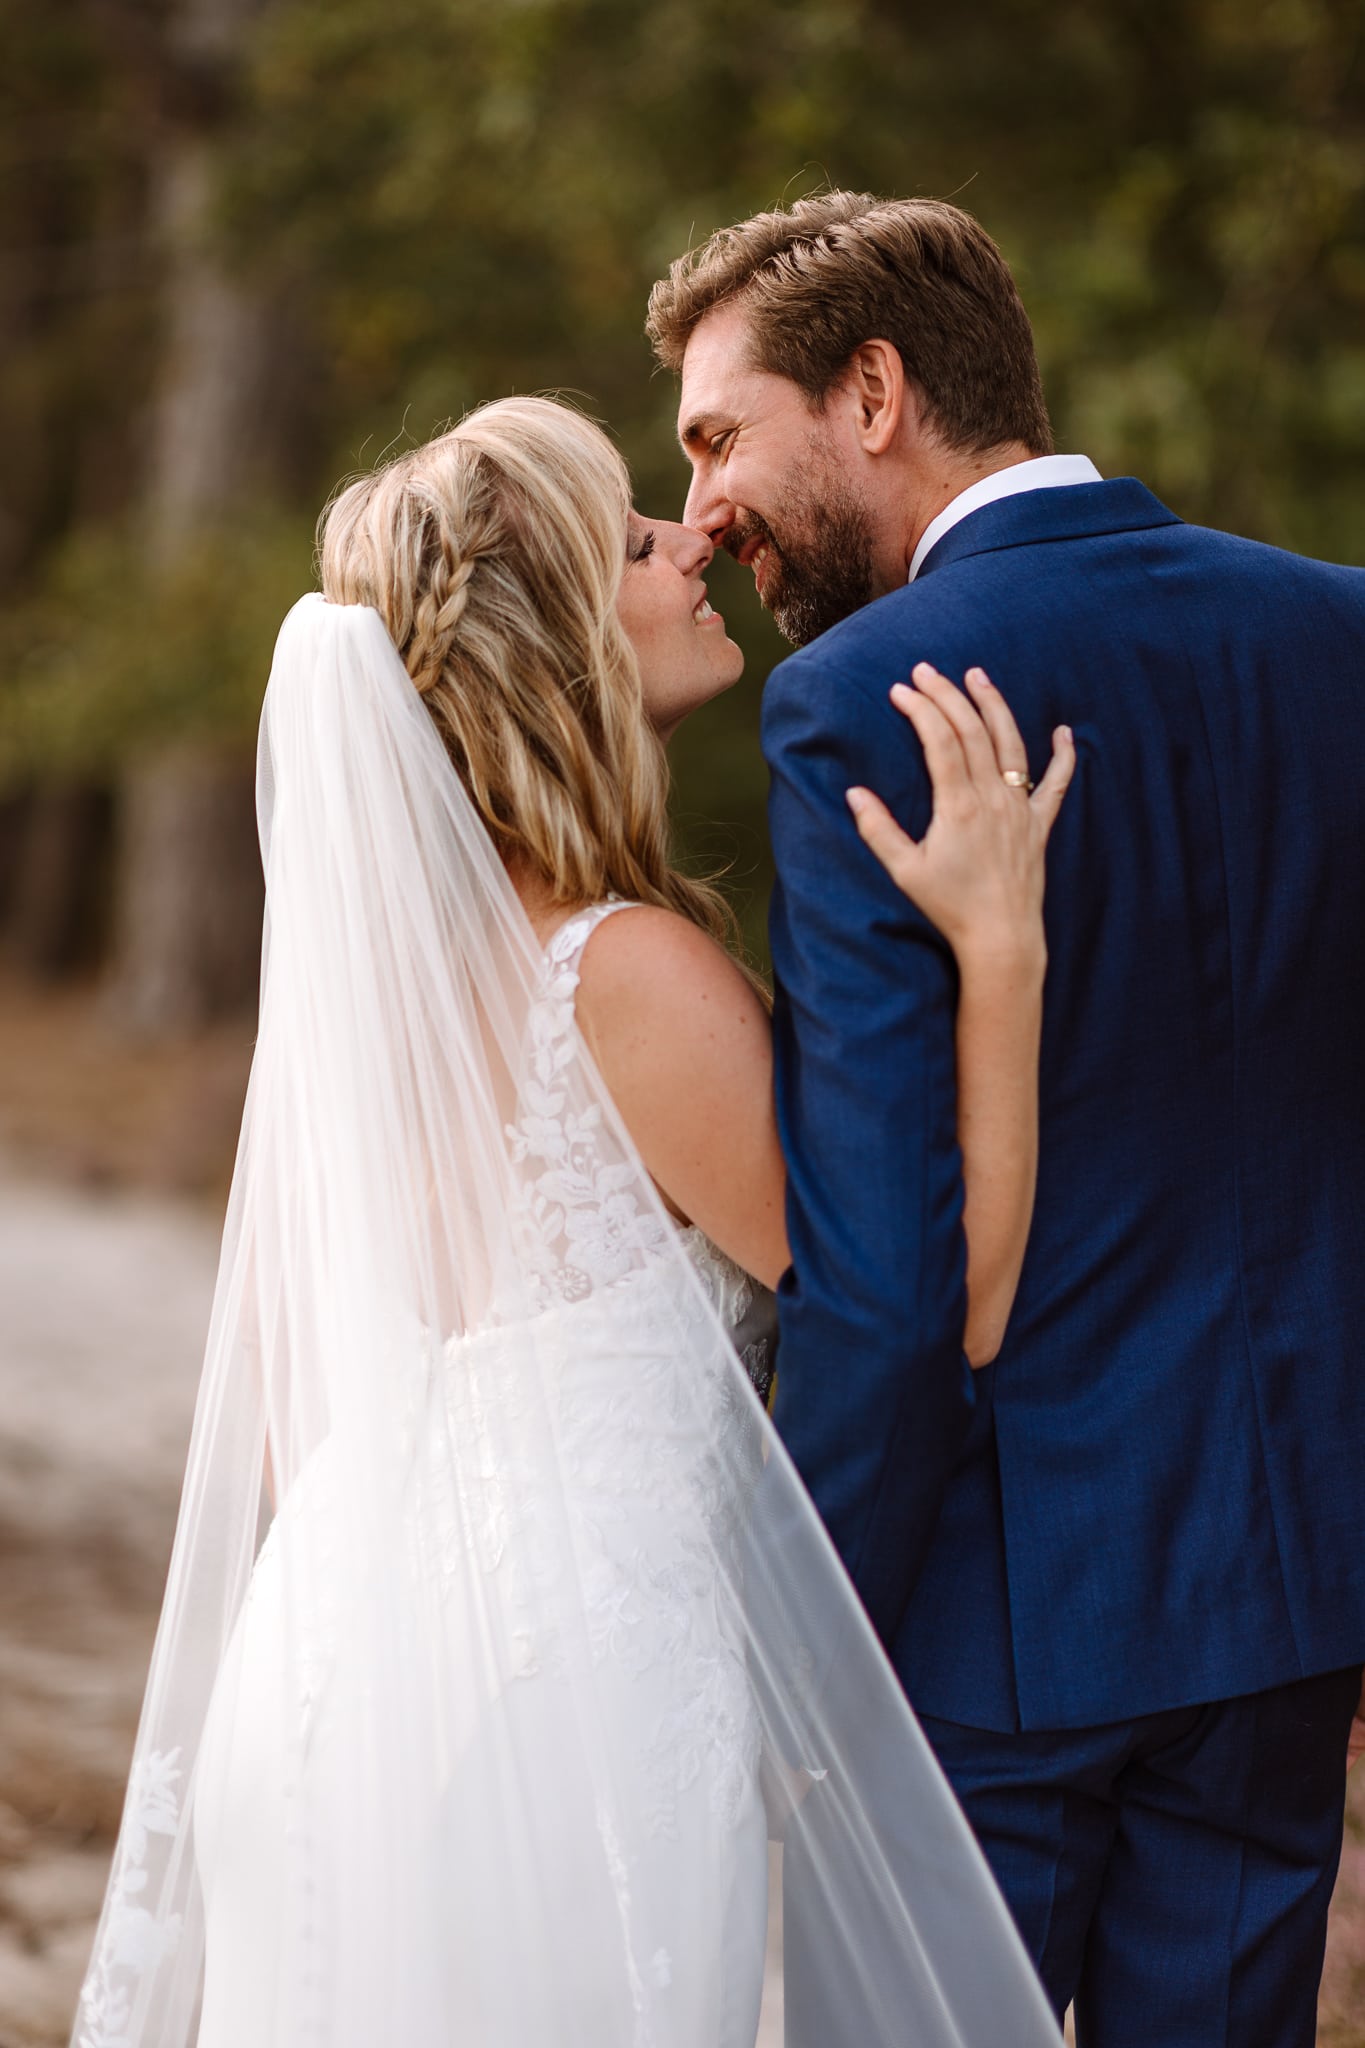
(1017, 778)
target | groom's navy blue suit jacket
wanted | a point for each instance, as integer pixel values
(1156, 1495)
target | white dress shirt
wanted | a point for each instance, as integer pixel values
(1041, 473)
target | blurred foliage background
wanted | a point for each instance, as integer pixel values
(248, 245)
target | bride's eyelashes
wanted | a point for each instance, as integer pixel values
(643, 548)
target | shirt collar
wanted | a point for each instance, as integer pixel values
(1040, 473)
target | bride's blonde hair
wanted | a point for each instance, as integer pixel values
(494, 555)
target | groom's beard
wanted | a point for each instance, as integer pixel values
(819, 568)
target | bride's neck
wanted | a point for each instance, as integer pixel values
(544, 911)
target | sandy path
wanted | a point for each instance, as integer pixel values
(103, 1306)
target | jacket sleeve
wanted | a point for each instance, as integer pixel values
(874, 1392)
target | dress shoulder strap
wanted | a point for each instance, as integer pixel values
(564, 953)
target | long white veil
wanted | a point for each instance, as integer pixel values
(544, 1623)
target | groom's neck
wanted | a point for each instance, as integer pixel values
(937, 476)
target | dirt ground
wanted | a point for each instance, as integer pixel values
(112, 1166)
(105, 1300)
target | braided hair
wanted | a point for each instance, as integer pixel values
(494, 554)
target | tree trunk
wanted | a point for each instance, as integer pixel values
(58, 868)
(187, 926)
(188, 936)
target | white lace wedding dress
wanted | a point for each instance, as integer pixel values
(686, 1891)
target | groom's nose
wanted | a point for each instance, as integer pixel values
(708, 509)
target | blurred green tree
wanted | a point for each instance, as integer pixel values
(452, 200)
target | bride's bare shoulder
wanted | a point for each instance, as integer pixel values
(682, 1040)
(651, 968)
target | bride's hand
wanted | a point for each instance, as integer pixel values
(977, 874)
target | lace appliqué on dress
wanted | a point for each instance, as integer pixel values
(134, 1939)
(581, 1225)
(653, 1511)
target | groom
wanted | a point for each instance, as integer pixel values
(1121, 1571)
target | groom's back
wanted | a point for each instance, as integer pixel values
(1179, 1407)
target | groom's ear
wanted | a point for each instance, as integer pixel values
(875, 381)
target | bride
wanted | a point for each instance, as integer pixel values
(484, 1743)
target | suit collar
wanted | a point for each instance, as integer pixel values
(1066, 512)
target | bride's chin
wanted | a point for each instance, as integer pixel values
(726, 669)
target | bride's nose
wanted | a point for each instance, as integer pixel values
(695, 550)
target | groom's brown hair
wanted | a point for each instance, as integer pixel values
(821, 277)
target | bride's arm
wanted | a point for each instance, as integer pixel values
(978, 876)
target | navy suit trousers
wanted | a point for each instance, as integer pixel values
(1171, 1875)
